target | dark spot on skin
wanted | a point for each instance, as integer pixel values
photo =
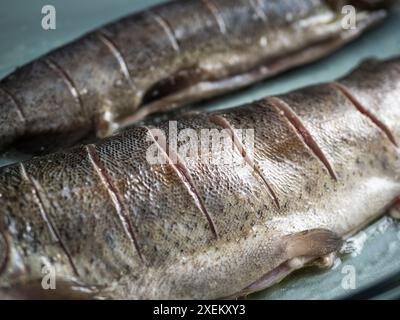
(344, 139)
(127, 270)
(285, 206)
(109, 240)
(385, 163)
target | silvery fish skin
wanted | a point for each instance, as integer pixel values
(163, 58)
(112, 224)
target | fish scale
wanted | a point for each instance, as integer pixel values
(279, 151)
(235, 179)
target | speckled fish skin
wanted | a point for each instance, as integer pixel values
(107, 219)
(163, 58)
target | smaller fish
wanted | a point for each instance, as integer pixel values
(163, 58)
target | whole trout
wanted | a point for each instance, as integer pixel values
(139, 216)
(162, 58)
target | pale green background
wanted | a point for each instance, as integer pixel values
(22, 39)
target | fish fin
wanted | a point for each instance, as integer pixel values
(312, 243)
(64, 290)
(309, 247)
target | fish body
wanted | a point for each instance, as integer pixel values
(324, 163)
(163, 58)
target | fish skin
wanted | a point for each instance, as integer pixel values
(107, 219)
(160, 59)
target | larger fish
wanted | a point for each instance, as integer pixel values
(114, 219)
(170, 55)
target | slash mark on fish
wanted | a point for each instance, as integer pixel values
(167, 29)
(298, 125)
(357, 104)
(67, 79)
(17, 105)
(46, 217)
(115, 198)
(256, 5)
(213, 8)
(220, 121)
(186, 179)
(117, 54)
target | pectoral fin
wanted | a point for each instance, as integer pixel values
(299, 250)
